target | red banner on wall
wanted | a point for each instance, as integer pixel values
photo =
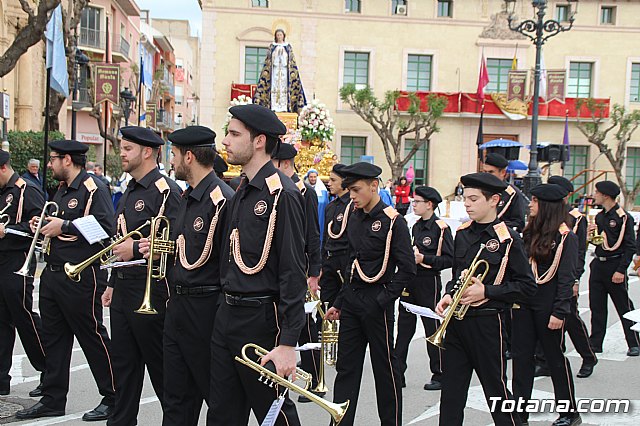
(107, 83)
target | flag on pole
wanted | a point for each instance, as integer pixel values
(565, 139)
(142, 96)
(514, 62)
(56, 55)
(543, 77)
(480, 137)
(483, 79)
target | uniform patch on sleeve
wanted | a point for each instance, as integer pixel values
(216, 196)
(390, 212)
(510, 190)
(442, 224)
(90, 185)
(273, 183)
(564, 229)
(502, 231)
(621, 212)
(300, 185)
(465, 225)
(162, 185)
(575, 213)
(20, 182)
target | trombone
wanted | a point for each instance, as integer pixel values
(328, 338)
(270, 378)
(105, 255)
(159, 243)
(456, 309)
(50, 209)
(4, 218)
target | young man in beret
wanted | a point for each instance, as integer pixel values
(475, 343)
(433, 250)
(609, 268)
(72, 309)
(137, 339)
(20, 200)
(512, 205)
(262, 275)
(381, 265)
(284, 160)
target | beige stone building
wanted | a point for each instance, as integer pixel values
(427, 45)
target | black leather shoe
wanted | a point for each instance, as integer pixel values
(587, 369)
(101, 412)
(634, 351)
(433, 385)
(571, 419)
(4, 391)
(38, 410)
(542, 371)
(37, 392)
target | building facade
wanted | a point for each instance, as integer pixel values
(432, 46)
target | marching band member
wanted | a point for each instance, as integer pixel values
(433, 248)
(284, 160)
(512, 205)
(609, 268)
(553, 251)
(137, 339)
(476, 342)
(381, 264)
(20, 200)
(262, 275)
(72, 309)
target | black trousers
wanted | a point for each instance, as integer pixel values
(235, 389)
(16, 313)
(362, 323)
(578, 333)
(310, 360)
(425, 291)
(333, 271)
(601, 286)
(530, 326)
(187, 356)
(71, 309)
(474, 344)
(137, 343)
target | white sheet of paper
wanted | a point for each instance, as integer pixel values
(309, 307)
(421, 310)
(272, 414)
(123, 264)
(636, 327)
(309, 347)
(90, 229)
(633, 315)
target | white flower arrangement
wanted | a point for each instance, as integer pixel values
(240, 100)
(315, 122)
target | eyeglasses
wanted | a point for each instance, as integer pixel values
(53, 157)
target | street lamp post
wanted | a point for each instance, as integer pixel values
(80, 60)
(127, 99)
(538, 31)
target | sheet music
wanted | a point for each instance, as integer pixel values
(272, 414)
(310, 306)
(90, 229)
(421, 310)
(309, 347)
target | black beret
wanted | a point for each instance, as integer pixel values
(286, 152)
(219, 165)
(141, 136)
(428, 193)
(68, 147)
(193, 136)
(358, 171)
(338, 169)
(4, 157)
(259, 118)
(549, 192)
(484, 181)
(496, 160)
(562, 181)
(609, 188)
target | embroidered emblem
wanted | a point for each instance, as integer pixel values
(612, 223)
(9, 198)
(553, 245)
(501, 203)
(492, 245)
(338, 218)
(375, 226)
(73, 203)
(139, 206)
(198, 224)
(426, 241)
(260, 208)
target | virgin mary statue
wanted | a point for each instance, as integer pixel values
(279, 86)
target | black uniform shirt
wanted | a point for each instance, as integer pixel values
(426, 237)
(367, 242)
(72, 201)
(514, 205)
(283, 275)
(611, 224)
(335, 213)
(517, 283)
(32, 202)
(311, 227)
(555, 295)
(197, 209)
(578, 225)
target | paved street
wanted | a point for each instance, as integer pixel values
(614, 377)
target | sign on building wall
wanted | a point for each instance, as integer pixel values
(5, 106)
(556, 82)
(107, 83)
(151, 116)
(91, 138)
(516, 85)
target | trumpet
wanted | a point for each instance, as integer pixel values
(596, 238)
(270, 378)
(50, 209)
(105, 255)
(4, 218)
(159, 243)
(456, 309)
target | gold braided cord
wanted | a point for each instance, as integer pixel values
(551, 272)
(266, 248)
(344, 224)
(19, 212)
(385, 261)
(605, 244)
(506, 206)
(499, 276)
(206, 251)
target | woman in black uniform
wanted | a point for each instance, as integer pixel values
(553, 251)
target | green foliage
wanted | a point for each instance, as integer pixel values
(114, 166)
(27, 145)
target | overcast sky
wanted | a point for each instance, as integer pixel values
(172, 9)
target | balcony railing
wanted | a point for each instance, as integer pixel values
(83, 95)
(122, 46)
(163, 119)
(168, 82)
(90, 37)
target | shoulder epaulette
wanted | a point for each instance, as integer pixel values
(300, 185)
(90, 184)
(273, 183)
(465, 225)
(390, 212)
(20, 182)
(502, 231)
(621, 212)
(510, 190)
(162, 185)
(575, 213)
(564, 229)
(216, 196)
(442, 224)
